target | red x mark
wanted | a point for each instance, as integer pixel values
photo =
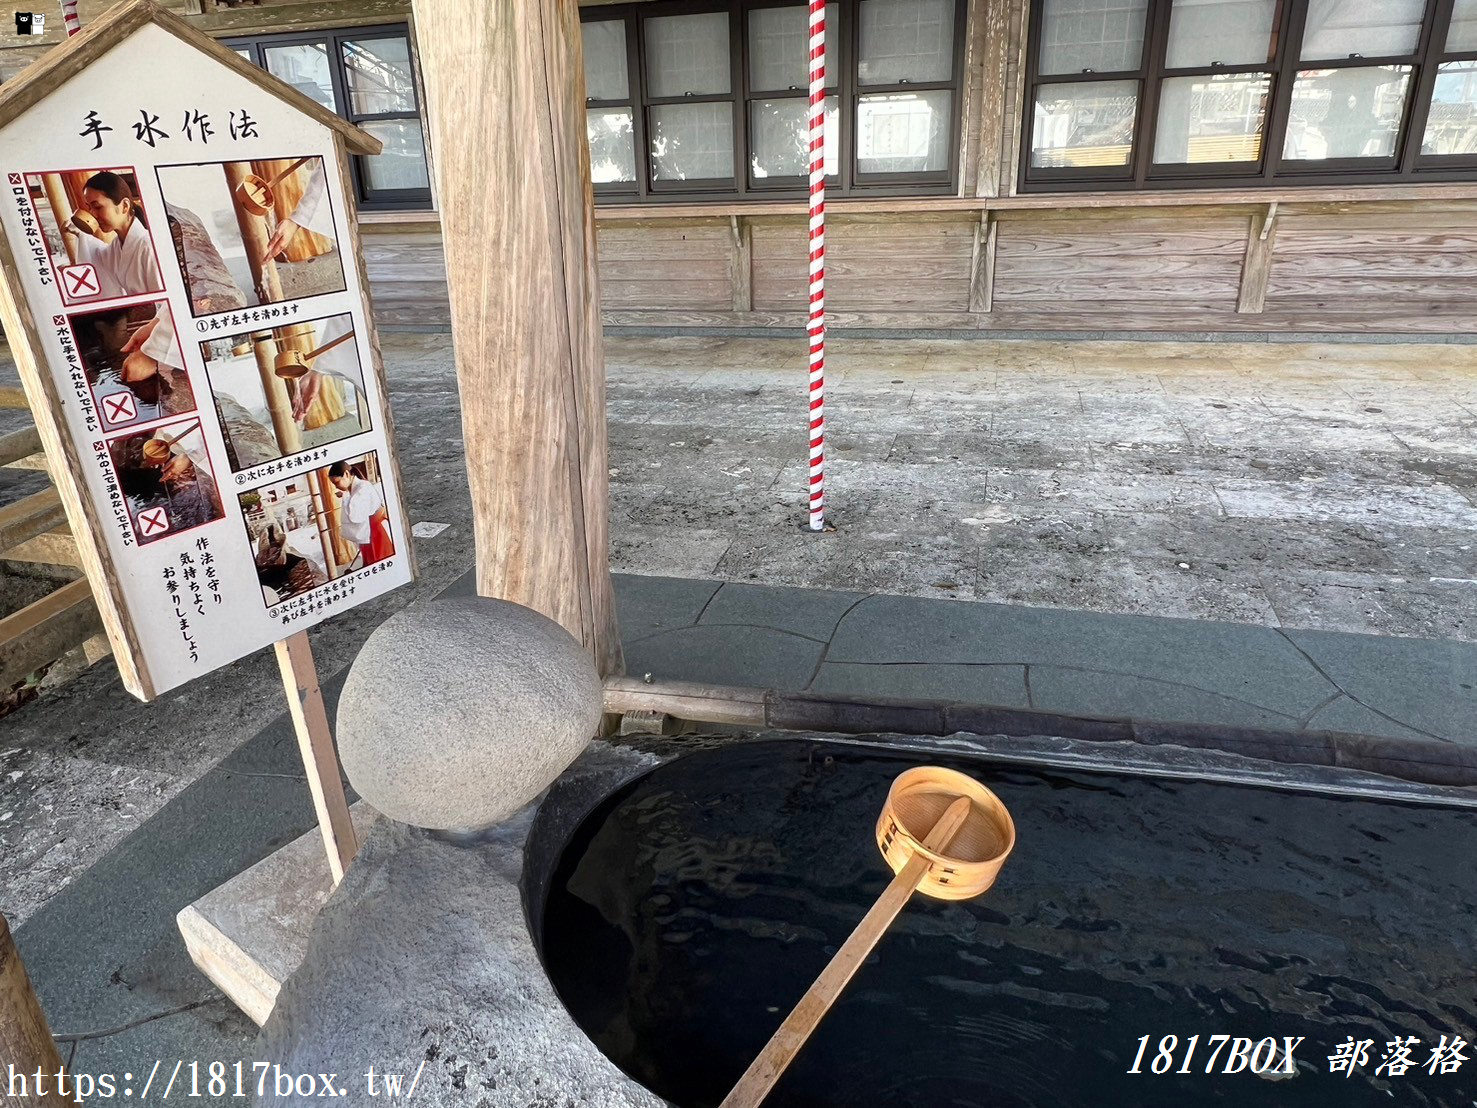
(119, 407)
(154, 521)
(81, 280)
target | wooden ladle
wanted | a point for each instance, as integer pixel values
(292, 364)
(944, 834)
(87, 223)
(159, 451)
(256, 195)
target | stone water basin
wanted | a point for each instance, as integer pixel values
(683, 917)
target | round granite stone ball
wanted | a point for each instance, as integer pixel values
(457, 713)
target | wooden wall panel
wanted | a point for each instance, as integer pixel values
(407, 277)
(667, 265)
(1408, 267)
(1054, 264)
(863, 259)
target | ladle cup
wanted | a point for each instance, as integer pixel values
(943, 833)
(159, 451)
(292, 364)
(86, 222)
(256, 195)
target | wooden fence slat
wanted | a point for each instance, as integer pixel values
(30, 516)
(19, 444)
(42, 632)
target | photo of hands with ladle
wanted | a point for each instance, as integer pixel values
(134, 366)
(250, 233)
(286, 389)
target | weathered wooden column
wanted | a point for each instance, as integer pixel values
(25, 1040)
(505, 94)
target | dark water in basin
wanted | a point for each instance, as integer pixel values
(693, 908)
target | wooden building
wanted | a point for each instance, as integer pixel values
(1000, 165)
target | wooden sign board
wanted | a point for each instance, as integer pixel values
(182, 287)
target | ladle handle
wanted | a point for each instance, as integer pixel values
(327, 346)
(786, 1042)
(293, 168)
(169, 442)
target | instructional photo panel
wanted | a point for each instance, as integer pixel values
(133, 362)
(167, 480)
(251, 233)
(322, 526)
(287, 389)
(98, 236)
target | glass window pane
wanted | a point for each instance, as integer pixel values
(305, 68)
(1211, 119)
(377, 71)
(1379, 29)
(1220, 32)
(605, 60)
(612, 136)
(687, 54)
(779, 47)
(1346, 113)
(1102, 36)
(906, 40)
(903, 132)
(402, 163)
(1086, 123)
(1462, 35)
(691, 142)
(779, 133)
(1451, 128)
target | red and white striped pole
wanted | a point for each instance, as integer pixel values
(69, 17)
(817, 326)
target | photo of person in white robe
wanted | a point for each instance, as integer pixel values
(363, 519)
(121, 252)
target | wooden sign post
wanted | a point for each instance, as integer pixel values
(183, 290)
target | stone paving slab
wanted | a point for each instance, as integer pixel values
(1144, 668)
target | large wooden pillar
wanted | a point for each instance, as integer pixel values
(26, 1044)
(505, 95)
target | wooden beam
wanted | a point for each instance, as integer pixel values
(26, 1044)
(1256, 266)
(1055, 201)
(19, 445)
(519, 236)
(982, 263)
(54, 548)
(686, 700)
(42, 632)
(316, 16)
(741, 264)
(994, 71)
(11, 396)
(1018, 35)
(30, 516)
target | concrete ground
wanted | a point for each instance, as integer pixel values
(1325, 488)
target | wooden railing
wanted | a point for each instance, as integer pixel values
(33, 529)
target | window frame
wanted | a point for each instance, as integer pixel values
(843, 50)
(1405, 164)
(1426, 86)
(332, 39)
